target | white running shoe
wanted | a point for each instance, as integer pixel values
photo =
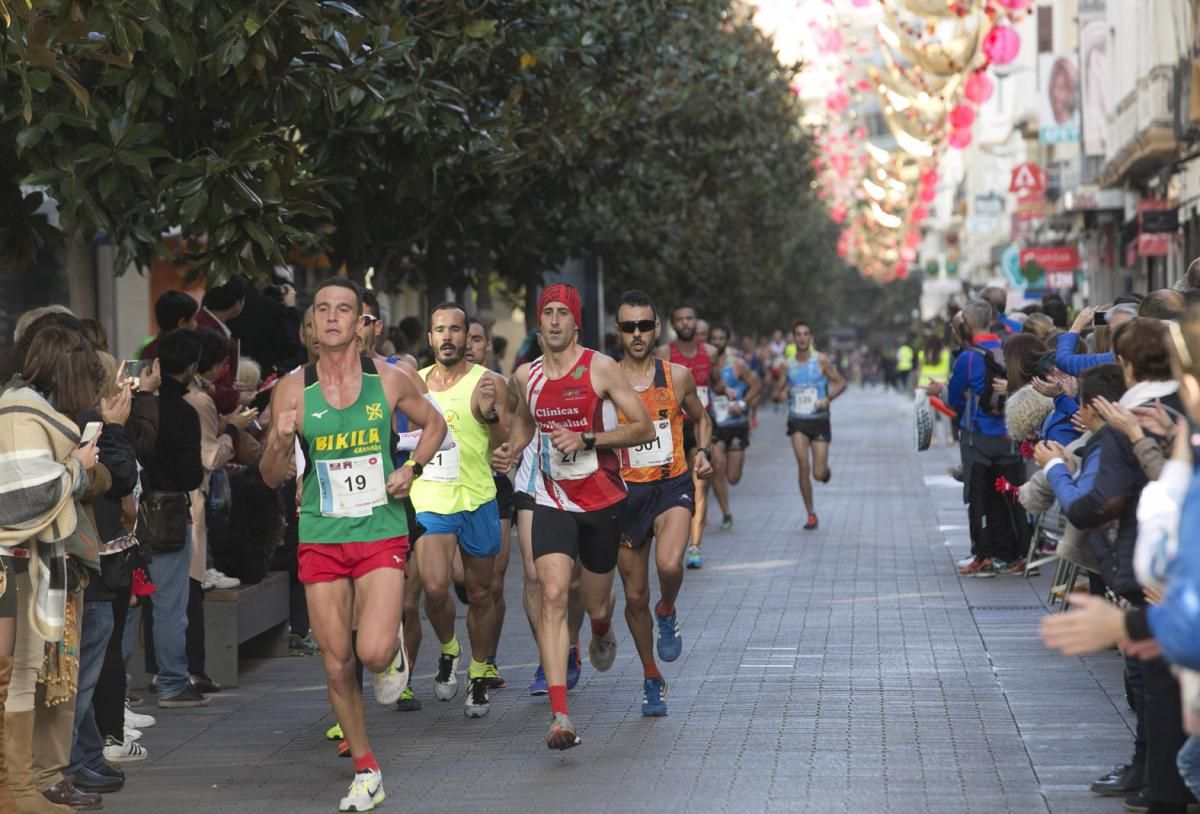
(132, 734)
(445, 683)
(126, 752)
(214, 579)
(135, 720)
(477, 697)
(602, 650)
(391, 682)
(365, 793)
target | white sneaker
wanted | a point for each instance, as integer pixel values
(126, 752)
(132, 734)
(964, 563)
(214, 579)
(135, 720)
(391, 682)
(365, 793)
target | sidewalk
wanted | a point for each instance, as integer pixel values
(846, 670)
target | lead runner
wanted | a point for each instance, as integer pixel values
(353, 528)
(568, 395)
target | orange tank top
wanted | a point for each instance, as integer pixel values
(663, 457)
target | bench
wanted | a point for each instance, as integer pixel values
(253, 618)
(250, 621)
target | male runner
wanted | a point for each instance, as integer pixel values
(456, 503)
(353, 530)
(808, 385)
(700, 358)
(661, 493)
(566, 396)
(731, 413)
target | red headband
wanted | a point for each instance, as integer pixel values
(567, 295)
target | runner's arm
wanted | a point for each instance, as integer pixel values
(611, 383)
(420, 411)
(287, 398)
(521, 426)
(491, 407)
(837, 382)
(748, 376)
(689, 399)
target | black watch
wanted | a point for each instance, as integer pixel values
(417, 467)
(589, 439)
(706, 450)
(493, 418)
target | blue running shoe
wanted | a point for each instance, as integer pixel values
(670, 643)
(538, 685)
(573, 667)
(654, 691)
(692, 560)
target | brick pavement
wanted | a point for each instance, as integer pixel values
(844, 670)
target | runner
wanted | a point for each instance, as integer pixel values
(353, 531)
(456, 503)
(808, 386)
(699, 357)
(731, 413)
(661, 493)
(567, 395)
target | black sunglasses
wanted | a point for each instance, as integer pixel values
(368, 319)
(642, 325)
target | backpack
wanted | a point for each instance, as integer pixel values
(991, 402)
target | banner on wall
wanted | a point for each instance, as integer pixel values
(1093, 50)
(1059, 103)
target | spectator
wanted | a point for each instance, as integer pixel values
(500, 347)
(1040, 325)
(1165, 303)
(267, 327)
(997, 297)
(221, 304)
(172, 470)
(172, 310)
(1066, 355)
(1054, 307)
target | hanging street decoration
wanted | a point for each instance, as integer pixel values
(889, 86)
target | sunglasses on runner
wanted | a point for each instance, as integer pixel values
(368, 320)
(642, 325)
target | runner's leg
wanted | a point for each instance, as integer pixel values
(800, 446)
(531, 595)
(820, 457)
(670, 540)
(330, 609)
(719, 486)
(554, 575)
(735, 460)
(701, 501)
(499, 569)
(634, 566)
(480, 611)
(437, 551)
(412, 608)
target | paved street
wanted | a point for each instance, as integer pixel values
(847, 670)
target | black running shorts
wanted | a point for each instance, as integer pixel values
(647, 501)
(734, 438)
(817, 429)
(523, 502)
(504, 495)
(593, 537)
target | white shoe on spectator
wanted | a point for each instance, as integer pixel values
(132, 734)
(126, 752)
(214, 579)
(135, 720)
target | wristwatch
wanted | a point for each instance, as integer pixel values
(493, 418)
(589, 439)
(706, 450)
(417, 467)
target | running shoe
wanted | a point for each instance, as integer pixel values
(477, 697)
(602, 650)
(981, 568)
(135, 720)
(408, 701)
(727, 522)
(654, 691)
(392, 681)
(574, 666)
(562, 733)
(1012, 569)
(445, 684)
(365, 793)
(492, 676)
(116, 751)
(343, 749)
(812, 523)
(538, 685)
(963, 563)
(302, 645)
(670, 643)
(692, 560)
(132, 734)
(334, 733)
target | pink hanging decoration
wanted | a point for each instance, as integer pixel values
(978, 88)
(901, 271)
(912, 239)
(928, 194)
(960, 138)
(837, 101)
(840, 163)
(919, 213)
(908, 255)
(838, 213)
(1014, 5)
(861, 3)
(962, 116)
(1002, 44)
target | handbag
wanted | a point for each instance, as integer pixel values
(162, 520)
(922, 421)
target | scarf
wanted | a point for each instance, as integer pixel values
(1146, 392)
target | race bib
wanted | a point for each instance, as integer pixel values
(658, 452)
(720, 408)
(567, 465)
(804, 400)
(351, 487)
(444, 466)
(702, 392)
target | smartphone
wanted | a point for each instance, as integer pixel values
(1100, 318)
(90, 431)
(131, 370)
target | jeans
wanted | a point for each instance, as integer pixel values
(87, 746)
(169, 573)
(1188, 761)
(108, 701)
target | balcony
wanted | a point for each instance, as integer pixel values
(1141, 130)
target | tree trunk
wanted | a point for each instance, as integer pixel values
(81, 276)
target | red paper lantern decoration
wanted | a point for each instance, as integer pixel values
(978, 88)
(1014, 5)
(962, 116)
(1002, 44)
(928, 194)
(960, 138)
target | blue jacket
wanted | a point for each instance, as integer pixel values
(967, 380)
(1105, 491)
(1012, 325)
(1068, 361)
(1176, 622)
(1058, 426)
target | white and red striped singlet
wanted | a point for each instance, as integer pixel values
(582, 481)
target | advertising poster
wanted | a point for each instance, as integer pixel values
(1059, 91)
(1093, 48)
